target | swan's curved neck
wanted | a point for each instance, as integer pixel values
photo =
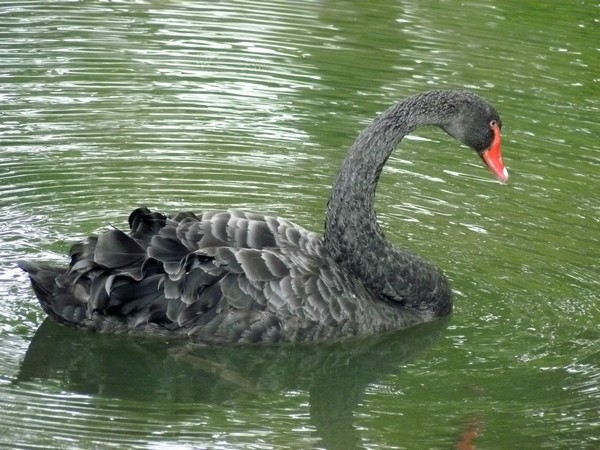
(352, 235)
(350, 211)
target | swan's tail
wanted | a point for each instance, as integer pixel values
(109, 283)
(59, 302)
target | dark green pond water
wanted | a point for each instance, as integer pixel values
(106, 106)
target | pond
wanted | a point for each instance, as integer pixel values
(179, 105)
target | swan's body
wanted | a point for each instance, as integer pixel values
(230, 276)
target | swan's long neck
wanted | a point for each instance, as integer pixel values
(352, 235)
(351, 206)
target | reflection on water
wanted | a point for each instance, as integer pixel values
(334, 376)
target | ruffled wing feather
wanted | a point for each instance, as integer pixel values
(219, 277)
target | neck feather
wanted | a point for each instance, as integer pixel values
(352, 200)
(352, 235)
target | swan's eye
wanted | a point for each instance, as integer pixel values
(493, 124)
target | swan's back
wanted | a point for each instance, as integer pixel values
(219, 277)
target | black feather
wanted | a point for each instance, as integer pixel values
(116, 249)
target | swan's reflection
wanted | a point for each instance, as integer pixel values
(132, 367)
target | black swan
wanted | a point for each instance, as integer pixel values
(232, 277)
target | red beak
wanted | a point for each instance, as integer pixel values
(492, 157)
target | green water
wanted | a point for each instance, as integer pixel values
(106, 106)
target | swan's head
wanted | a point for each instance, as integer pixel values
(477, 124)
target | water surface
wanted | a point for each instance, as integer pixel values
(182, 105)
